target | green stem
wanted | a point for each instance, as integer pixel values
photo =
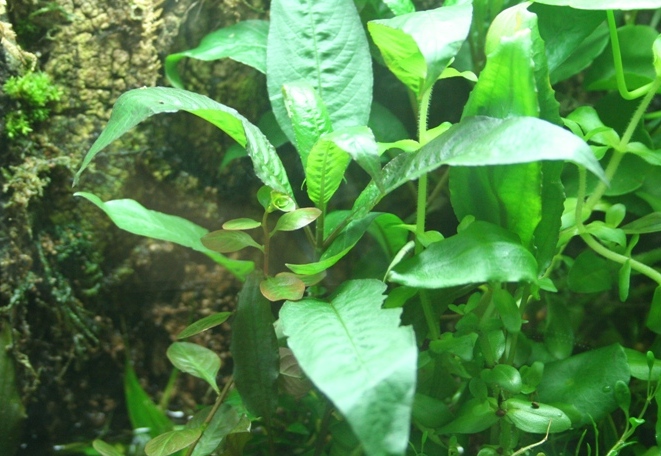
(219, 400)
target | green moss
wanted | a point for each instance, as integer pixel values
(32, 94)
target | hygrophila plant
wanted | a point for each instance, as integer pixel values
(540, 224)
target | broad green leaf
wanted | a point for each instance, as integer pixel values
(582, 58)
(244, 42)
(503, 376)
(308, 115)
(653, 157)
(105, 448)
(483, 252)
(474, 416)
(360, 144)
(388, 232)
(636, 42)
(653, 321)
(589, 274)
(385, 125)
(233, 152)
(130, 216)
(356, 353)
(143, 413)
(325, 170)
(649, 223)
(254, 349)
(223, 422)
(537, 419)
(586, 381)
(531, 376)
(412, 47)
(280, 287)
(639, 365)
(203, 324)
(559, 332)
(297, 219)
(12, 410)
(196, 360)
(605, 4)
(430, 412)
(172, 441)
(224, 241)
(593, 129)
(324, 44)
(137, 105)
(508, 310)
(241, 224)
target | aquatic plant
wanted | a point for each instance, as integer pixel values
(31, 94)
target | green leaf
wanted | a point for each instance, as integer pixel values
(503, 376)
(399, 7)
(649, 223)
(196, 360)
(171, 442)
(254, 349)
(624, 280)
(537, 419)
(203, 324)
(656, 49)
(143, 413)
(589, 274)
(324, 44)
(285, 286)
(357, 354)
(639, 365)
(483, 252)
(297, 219)
(221, 425)
(244, 42)
(134, 106)
(474, 416)
(559, 333)
(653, 321)
(593, 128)
(12, 410)
(360, 144)
(586, 381)
(308, 115)
(105, 448)
(508, 310)
(582, 58)
(224, 241)
(130, 216)
(412, 47)
(385, 125)
(325, 170)
(430, 412)
(241, 224)
(605, 4)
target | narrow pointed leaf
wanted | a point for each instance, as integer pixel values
(224, 241)
(137, 105)
(297, 219)
(171, 442)
(605, 4)
(203, 324)
(196, 360)
(280, 287)
(143, 413)
(254, 349)
(308, 114)
(357, 354)
(481, 253)
(413, 48)
(244, 42)
(130, 216)
(650, 223)
(323, 43)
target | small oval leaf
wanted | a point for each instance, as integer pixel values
(171, 442)
(537, 418)
(223, 241)
(204, 324)
(285, 286)
(241, 224)
(292, 221)
(195, 360)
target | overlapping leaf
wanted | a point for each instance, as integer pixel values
(605, 4)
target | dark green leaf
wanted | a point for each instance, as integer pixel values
(137, 105)
(222, 424)
(537, 419)
(285, 286)
(622, 396)
(303, 30)
(589, 274)
(649, 223)
(531, 376)
(292, 379)
(474, 416)
(386, 126)
(586, 381)
(481, 253)
(412, 48)
(508, 310)
(204, 324)
(624, 280)
(653, 320)
(430, 412)
(196, 360)
(297, 219)
(559, 333)
(584, 55)
(129, 215)
(244, 42)
(171, 442)
(224, 241)
(143, 413)
(605, 4)
(254, 351)
(503, 376)
(356, 353)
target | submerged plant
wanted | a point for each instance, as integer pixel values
(525, 183)
(31, 95)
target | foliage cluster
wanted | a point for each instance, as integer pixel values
(31, 95)
(424, 348)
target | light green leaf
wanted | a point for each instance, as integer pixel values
(325, 170)
(280, 287)
(244, 42)
(297, 219)
(639, 365)
(143, 413)
(223, 422)
(196, 360)
(137, 105)
(105, 448)
(172, 441)
(357, 354)
(323, 43)
(224, 241)
(586, 381)
(481, 253)
(649, 223)
(360, 144)
(538, 419)
(653, 157)
(593, 129)
(503, 376)
(605, 4)
(474, 416)
(254, 349)
(130, 216)
(203, 324)
(412, 47)
(241, 224)
(399, 7)
(656, 49)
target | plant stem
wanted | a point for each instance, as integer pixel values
(219, 400)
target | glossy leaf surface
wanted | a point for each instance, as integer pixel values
(297, 219)
(324, 171)
(357, 354)
(481, 253)
(135, 106)
(538, 419)
(244, 42)
(324, 44)
(196, 360)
